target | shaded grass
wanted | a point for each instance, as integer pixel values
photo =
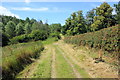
(64, 70)
(16, 56)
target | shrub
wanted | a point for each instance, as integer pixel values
(20, 39)
(39, 35)
(34, 36)
(5, 39)
(105, 39)
(56, 35)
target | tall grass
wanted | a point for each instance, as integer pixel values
(16, 56)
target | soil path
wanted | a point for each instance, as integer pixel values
(77, 56)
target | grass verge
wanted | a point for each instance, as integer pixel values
(15, 57)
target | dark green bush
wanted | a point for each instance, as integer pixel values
(5, 39)
(56, 35)
(20, 39)
(39, 35)
(34, 36)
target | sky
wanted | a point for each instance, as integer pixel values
(50, 12)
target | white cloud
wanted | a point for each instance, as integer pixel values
(5, 11)
(30, 9)
(27, 1)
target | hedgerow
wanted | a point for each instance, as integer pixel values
(106, 39)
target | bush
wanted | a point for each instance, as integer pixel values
(5, 39)
(20, 39)
(34, 36)
(56, 35)
(105, 39)
(39, 35)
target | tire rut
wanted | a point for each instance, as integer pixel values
(76, 73)
(53, 71)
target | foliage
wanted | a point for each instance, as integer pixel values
(20, 39)
(56, 35)
(39, 35)
(27, 28)
(103, 18)
(55, 27)
(19, 29)
(75, 24)
(10, 29)
(5, 39)
(105, 39)
(117, 9)
(34, 36)
(96, 19)
(2, 27)
(90, 19)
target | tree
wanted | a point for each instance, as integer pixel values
(90, 19)
(10, 29)
(2, 28)
(98, 23)
(27, 20)
(27, 28)
(117, 9)
(19, 29)
(55, 27)
(105, 11)
(39, 35)
(81, 23)
(5, 39)
(103, 18)
(36, 26)
(75, 24)
(32, 21)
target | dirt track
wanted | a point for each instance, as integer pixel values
(72, 58)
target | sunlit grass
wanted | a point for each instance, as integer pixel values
(44, 67)
(49, 41)
(64, 70)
